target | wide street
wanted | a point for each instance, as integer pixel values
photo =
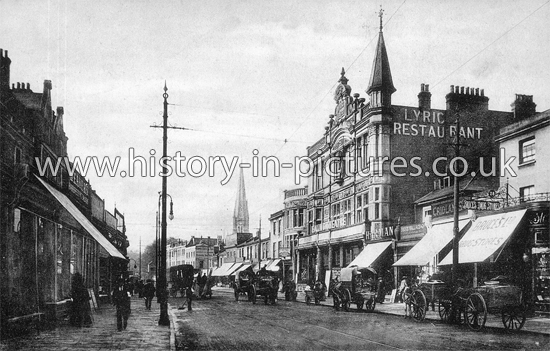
(223, 324)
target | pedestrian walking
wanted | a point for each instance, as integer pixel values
(148, 293)
(80, 308)
(121, 299)
(202, 283)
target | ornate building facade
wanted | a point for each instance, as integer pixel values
(375, 159)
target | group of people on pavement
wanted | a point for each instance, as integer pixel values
(80, 313)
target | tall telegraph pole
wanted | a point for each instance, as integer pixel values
(161, 271)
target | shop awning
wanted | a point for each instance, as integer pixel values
(437, 237)
(220, 271)
(273, 265)
(485, 237)
(84, 222)
(242, 268)
(232, 270)
(369, 254)
(263, 263)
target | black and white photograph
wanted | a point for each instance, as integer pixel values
(274, 175)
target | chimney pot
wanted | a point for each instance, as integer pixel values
(422, 87)
(12, 86)
(462, 90)
(477, 91)
(482, 92)
(28, 86)
(18, 85)
(467, 90)
(427, 87)
(452, 88)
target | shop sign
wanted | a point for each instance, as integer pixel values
(284, 252)
(341, 222)
(412, 231)
(431, 123)
(478, 205)
(379, 233)
(447, 208)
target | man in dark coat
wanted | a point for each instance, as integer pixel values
(80, 309)
(121, 299)
(148, 293)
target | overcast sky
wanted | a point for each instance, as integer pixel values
(249, 75)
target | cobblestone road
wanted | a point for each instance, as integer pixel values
(142, 333)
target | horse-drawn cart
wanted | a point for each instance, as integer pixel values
(244, 285)
(358, 286)
(475, 303)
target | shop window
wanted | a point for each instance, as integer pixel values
(526, 193)
(359, 209)
(527, 150)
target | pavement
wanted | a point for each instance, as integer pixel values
(142, 333)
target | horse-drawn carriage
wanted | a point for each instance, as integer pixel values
(181, 279)
(495, 296)
(358, 286)
(266, 284)
(244, 285)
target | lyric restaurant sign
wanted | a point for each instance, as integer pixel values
(447, 208)
(431, 124)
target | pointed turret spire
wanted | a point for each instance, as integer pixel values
(240, 214)
(380, 78)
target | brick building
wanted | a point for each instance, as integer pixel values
(52, 224)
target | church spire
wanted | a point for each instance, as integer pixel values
(240, 214)
(380, 78)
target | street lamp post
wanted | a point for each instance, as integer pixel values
(161, 252)
(161, 283)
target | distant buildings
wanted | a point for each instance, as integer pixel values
(52, 224)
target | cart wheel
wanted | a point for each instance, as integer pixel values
(371, 305)
(253, 294)
(347, 302)
(475, 312)
(444, 307)
(419, 308)
(513, 317)
(236, 295)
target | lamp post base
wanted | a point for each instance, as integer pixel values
(163, 319)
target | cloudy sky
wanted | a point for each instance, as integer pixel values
(250, 75)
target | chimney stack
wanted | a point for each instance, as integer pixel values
(424, 97)
(467, 98)
(523, 107)
(5, 63)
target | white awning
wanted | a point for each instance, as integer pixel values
(84, 222)
(273, 265)
(220, 271)
(369, 254)
(232, 270)
(434, 241)
(486, 236)
(262, 264)
(242, 268)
